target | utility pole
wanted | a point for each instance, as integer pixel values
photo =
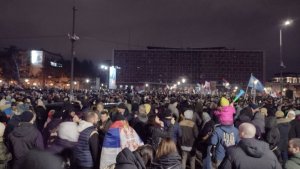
(73, 39)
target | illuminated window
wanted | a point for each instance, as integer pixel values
(289, 80)
(294, 80)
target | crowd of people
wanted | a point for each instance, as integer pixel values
(157, 129)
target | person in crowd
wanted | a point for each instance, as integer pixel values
(104, 122)
(86, 152)
(167, 117)
(295, 126)
(167, 156)
(223, 137)
(50, 131)
(294, 150)
(5, 155)
(99, 108)
(67, 137)
(122, 108)
(284, 127)
(187, 141)
(225, 112)
(272, 135)
(119, 136)
(155, 132)
(173, 107)
(139, 122)
(249, 152)
(24, 138)
(139, 159)
(291, 115)
(258, 119)
(37, 159)
(41, 114)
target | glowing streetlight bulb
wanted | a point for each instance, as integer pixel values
(147, 85)
(236, 87)
(287, 22)
(183, 80)
(26, 80)
(87, 80)
(178, 83)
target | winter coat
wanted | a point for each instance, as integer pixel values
(22, 139)
(293, 162)
(171, 161)
(284, 128)
(272, 135)
(5, 155)
(225, 115)
(259, 122)
(129, 160)
(295, 128)
(248, 154)
(177, 133)
(139, 127)
(189, 134)
(59, 145)
(155, 134)
(41, 117)
(224, 137)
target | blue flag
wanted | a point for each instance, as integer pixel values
(256, 84)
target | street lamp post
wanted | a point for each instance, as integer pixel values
(286, 23)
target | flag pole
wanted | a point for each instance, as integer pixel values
(247, 89)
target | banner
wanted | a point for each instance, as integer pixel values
(112, 78)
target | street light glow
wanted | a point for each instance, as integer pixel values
(287, 22)
(26, 80)
(87, 80)
(236, 87)
(147, 85)
(178, 83)
(183, 80)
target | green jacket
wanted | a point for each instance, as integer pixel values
(293, 162)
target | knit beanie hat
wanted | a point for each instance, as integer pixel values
(2, 128)
(279, 114)
(264, 111)
(224, 102)
(188, 114)
(68, 131)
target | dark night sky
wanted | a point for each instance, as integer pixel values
(104, 25)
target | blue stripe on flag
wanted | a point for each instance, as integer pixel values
(112, 138)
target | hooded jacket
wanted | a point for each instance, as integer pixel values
(293, 162)
(171, 161)
(248, 154)
(24, 138)
(129, 160)
(272, 132)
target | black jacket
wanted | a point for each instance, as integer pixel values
(129, 160)
(155, 134)
(171, 161)
(295, 128)
(249, 154)
(284, 135)
(272, 135)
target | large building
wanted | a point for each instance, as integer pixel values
(167, 65)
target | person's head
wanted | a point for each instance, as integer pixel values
(166, 147)
(122, 108)
(100, 107)
(147, 154)
(188, 114)
(104, 116)
(142, 109)
(77, 117)
(294, 146)
(28, 116)
(291, 115)
(91, 117)
(153, 119)
(247, 130)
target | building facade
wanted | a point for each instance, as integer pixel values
(195, 65)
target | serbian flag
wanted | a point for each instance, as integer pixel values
(119, 136)
(255, 83)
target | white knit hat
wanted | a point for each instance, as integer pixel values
(68, 131)
(188, 114)
(2, 128)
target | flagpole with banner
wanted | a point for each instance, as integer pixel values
(247, 89)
